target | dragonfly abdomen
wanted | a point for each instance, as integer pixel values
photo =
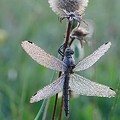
(66, 95)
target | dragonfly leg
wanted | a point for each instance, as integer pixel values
(60, 50)
(61, 18)
(70, 16)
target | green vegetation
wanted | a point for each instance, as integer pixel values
(20, 76)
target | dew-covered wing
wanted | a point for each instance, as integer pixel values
(91, 59)
(41, 57)
(83, 86)
(49, 90)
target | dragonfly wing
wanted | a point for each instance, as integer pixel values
(91, 59)
(49, 90)
(83, 86)
(41, 57)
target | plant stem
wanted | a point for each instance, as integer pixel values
(60, 114)
(67, 35)
(55, 105)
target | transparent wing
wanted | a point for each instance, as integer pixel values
(41, 57)
(91, 59)
(49, 90)
(83, 86)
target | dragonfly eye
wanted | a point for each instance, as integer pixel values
(72, 52)
(69, 51)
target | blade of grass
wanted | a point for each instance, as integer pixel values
(44, 102)
(115, 101)
(40, 110)
(45, 110)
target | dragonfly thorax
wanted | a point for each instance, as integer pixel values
(68, 60)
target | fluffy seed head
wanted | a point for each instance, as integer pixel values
(76, 6)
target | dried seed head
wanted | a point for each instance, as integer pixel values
(83, 32)
(79, 33)
(75, 6)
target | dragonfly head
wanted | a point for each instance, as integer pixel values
(69, 52)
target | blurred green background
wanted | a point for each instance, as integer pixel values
(20, 76)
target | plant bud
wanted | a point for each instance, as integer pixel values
(79, 33)
(83, 32)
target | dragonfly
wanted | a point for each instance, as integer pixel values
(69, 80)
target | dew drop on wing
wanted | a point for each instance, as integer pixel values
(30, 42)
